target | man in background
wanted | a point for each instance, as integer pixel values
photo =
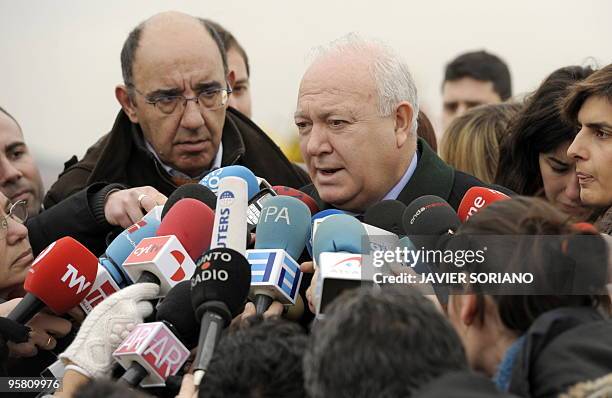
(237, 61)
(19, 176)
(473, 79)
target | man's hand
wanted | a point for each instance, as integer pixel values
(308, 268)
(127, 206)
(188, 389)
(242, 320)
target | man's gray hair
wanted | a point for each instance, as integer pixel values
(393, 80)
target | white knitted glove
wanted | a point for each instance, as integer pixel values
(107, 325)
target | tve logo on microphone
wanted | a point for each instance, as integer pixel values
(153, 346)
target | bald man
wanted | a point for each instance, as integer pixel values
(174, 125)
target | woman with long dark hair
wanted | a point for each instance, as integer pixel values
(533, 155)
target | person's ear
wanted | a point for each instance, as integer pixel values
(404, 114)
(469, 308)
(125, 100)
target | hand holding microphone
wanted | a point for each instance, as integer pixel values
(107, 325)
(40, 333)
(125, 207)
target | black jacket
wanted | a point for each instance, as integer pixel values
(75, 217)
(431, 177)
(563, 347)
(121, 157)
(74, 205)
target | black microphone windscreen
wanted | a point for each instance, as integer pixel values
(386, 215)
(223, 276)
(429, 215)
(176, 310)
(193, 191)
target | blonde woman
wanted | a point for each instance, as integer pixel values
(471, 142)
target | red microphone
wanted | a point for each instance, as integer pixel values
(307, 199)
(150, 353)
(60, 277)
(191, 221)
(168, 258)
(476, 199)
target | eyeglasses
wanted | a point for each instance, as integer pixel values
(209, 99)
(18, 212)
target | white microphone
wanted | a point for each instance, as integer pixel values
(150, 353)
(230, 226)
(161, 257)
(103, 287)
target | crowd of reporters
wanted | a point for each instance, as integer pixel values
(205, 263)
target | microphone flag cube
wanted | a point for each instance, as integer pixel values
(163, 256)
(274, 272)
(103, 287)
(338, 272)
(156, 349)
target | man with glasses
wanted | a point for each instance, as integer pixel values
(175, 125)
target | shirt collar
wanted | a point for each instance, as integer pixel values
(175, 173)
(395, 191)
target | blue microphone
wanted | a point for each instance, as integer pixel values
(338, 248)
(316, 219)
(282, 230)
(338, 233)
(212, 179)
(123, 245)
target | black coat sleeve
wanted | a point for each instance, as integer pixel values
(73, 216)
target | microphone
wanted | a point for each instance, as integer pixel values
(476, 199)
(430, 222)
(315, 221)
(256, 203)
(219, 289)
(230, 225)
(176, 312)
(167, 258)
(337, 246)
(213, 179)
(121, 247)
(110, 276)
(305, 198)
(282, 231)
(427, 219)
(386, 215)
(193, 191)
(60, 277)
(150, 354)
(103, 286)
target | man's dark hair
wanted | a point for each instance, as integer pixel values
(383, 343)
(483, 66)
(128, 52)
(96, 388)
(261, 361)
(229, 41)
(566, 262)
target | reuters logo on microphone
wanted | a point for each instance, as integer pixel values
(226, 198)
